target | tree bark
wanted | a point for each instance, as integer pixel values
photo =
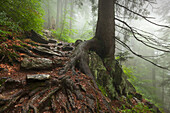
(105, 31)
(109, 74)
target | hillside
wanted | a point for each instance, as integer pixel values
(30, 81)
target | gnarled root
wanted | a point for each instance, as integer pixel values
(13, 101)
(80, 56)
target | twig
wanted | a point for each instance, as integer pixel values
(143, 16)
(13, 101)
(2, 58)
(121, 42)
(133, 33)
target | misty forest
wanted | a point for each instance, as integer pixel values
(84, 56)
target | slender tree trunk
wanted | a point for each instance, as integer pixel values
(65, 9)
(154, 77)
(61, 13)
(64, 19)
(49, 19)
(163, 90)
(71, 13)
(58, 14)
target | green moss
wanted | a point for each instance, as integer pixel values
(98, 106)
(24, 45)
(139, 108)
(111, 79)
(102, 89)
(17, 46)
(2, 80)
(2, 32)
(104, 80)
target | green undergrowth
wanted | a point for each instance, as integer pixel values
(7, 25)
(65, 33)
(22, 15)
(7, 54)
(141, 86)
(2, 80)
(98, 106)
(138, 108)
(10, 42)
(126, 105)
(70, 35)
(102, 89)
(64, 36)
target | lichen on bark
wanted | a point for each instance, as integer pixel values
(112, 78)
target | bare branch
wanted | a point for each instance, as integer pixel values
(127, 47)
(133, 33)
(146, 18)
(150, 40)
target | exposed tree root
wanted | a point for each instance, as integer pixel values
(80, 57)
(49, 95)
(2, 58)
(103, 98)
(13, 101)
(26, 51)
(53, 104)
(47, 98)
(34, 91)
(72, 91)
(34, 108)
(70, 99)
(112, 79)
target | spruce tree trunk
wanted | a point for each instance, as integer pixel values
(105, 31)
(102, 67)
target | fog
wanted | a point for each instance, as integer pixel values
(153, 82)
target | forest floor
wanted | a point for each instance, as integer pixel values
(72, 92)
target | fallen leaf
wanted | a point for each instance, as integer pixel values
(18, 105)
